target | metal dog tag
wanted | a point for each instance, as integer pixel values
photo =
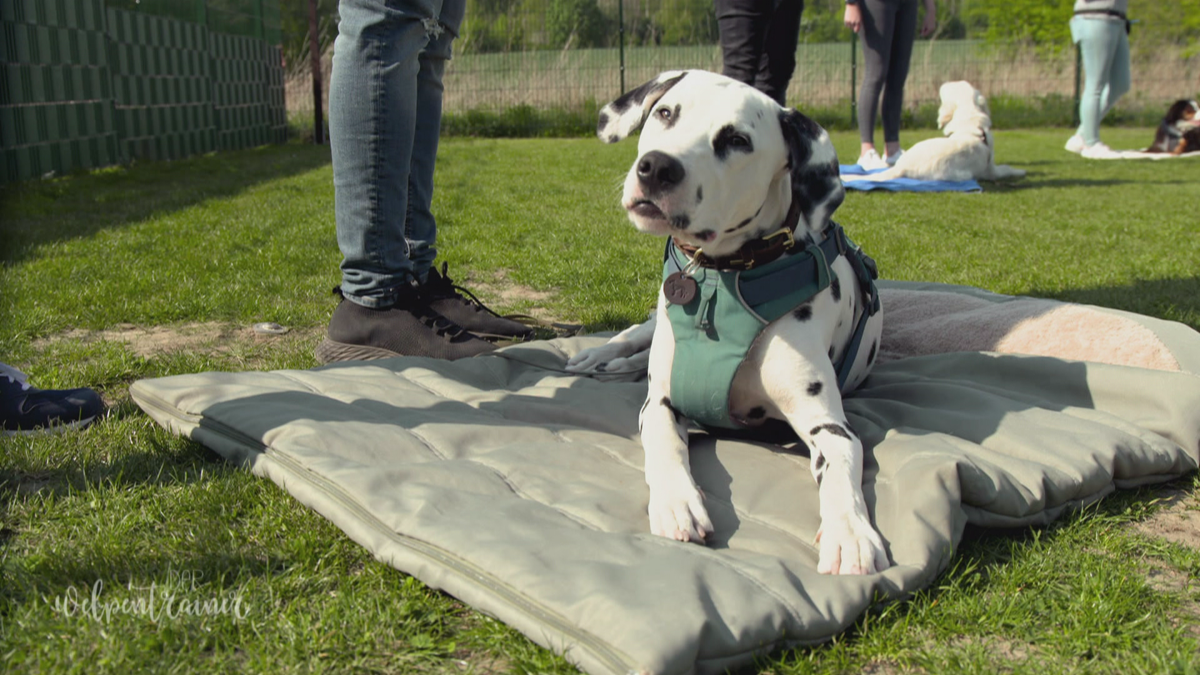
(679, 288)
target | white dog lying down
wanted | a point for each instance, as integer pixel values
(745, 190)
(967, 151)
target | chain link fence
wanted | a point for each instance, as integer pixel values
(543, 67)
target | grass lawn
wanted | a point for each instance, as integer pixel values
(161, 269)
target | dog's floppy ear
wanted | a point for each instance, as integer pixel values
(813, 164)
(624, 115)
(946, 112)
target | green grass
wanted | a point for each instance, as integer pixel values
(231, 239)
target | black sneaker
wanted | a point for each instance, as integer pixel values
(408, 328)
(442, 294)
(27, 409)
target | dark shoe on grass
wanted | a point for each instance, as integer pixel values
(408, 328)
(443, 295)
(26, 409)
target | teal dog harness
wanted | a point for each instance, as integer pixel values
(717, 314)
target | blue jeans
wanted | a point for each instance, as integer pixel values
(1105, 50)
(385, 112)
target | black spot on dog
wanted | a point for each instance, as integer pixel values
(699, 194)
(680, 222)
(612, 139)
(819, 463)
(835, 287)
(666, 403)
(729, 139)
(871, 356)
(831, 353)
(835, 429)
(803, 312)
(757, 413)
(815, 388)
(602, 368)
(602, 123)
(737, 227)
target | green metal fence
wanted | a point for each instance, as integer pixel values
(523, 61)
(91, 83)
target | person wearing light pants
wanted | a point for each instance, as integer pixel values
(1101, 30)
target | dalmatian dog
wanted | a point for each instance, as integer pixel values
(720, 166)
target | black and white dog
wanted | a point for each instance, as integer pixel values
(728, 174)
(1179, 131)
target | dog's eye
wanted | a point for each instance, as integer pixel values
(730, 139)
(664, 113)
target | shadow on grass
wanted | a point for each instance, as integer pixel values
(40, 212)
(1172, 299)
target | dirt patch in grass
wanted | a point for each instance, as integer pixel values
(209, 337)
(1178, 522)
(498, 289)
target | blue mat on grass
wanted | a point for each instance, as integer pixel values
(849, 171)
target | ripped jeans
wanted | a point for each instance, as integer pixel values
(385, 112)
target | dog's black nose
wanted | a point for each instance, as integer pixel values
(659, 171)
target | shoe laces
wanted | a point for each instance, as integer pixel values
(444, 287)
(15, 376)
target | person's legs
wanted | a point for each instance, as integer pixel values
(742, 25)
(1099, 41)
(372, 122)
(876, 37)
(1119, 77)
(778, 61)
(904, 31)
(383, 135)
(420, 228)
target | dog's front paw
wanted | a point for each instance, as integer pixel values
(679, 514)
(603, 359)
(849, 545)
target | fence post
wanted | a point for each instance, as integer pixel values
(314, 46)
(621, 40)
(853, 79)
(1078, 90)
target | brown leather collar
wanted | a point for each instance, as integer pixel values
(753, 253)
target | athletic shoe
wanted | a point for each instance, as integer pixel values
(891, 159)
(26, 409)
(1099, 150)
(443, 296)
(870, 160)
(1075, 144)
(408, 328)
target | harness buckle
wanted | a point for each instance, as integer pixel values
(784, 232)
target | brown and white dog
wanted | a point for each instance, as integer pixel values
(1179, 131)
(721, 165)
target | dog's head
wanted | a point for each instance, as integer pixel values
(1183, 114)
(963, 109)
(719, 163)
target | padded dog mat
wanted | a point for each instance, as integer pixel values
(518, 488)
(849, 171)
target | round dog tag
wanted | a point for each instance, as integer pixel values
(679, 288)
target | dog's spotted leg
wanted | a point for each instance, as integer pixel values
(848, 542)
(676, 504)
